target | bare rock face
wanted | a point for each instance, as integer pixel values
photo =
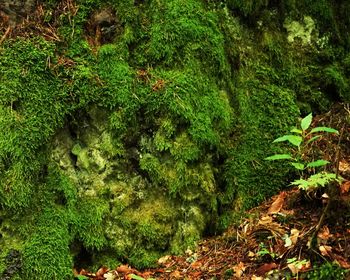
(15, 10)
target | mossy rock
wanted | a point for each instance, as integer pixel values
(134, 146)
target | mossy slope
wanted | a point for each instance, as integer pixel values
(127, 150)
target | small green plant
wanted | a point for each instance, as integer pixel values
(295, 265)
(264, 251)
(300, 139)
(327, 271)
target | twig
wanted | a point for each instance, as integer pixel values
(5, 35)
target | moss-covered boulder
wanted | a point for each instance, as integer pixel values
(131, 129)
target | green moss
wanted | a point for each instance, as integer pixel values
(248, 167)
(89, 222)
(46, 253)
(142, 258)
(249, 7)
(130, 150)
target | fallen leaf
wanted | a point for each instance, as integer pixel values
(344, 166)
(324, 234)
(277, 205)
(239, 269)
(293, 268)
(196, 264)
(124, 269)
(262, 270)
(256, 278)
(110, 275)
(294, 235)
(296, 267)
(175, 274)
(345, 187)
(325, 250)
(342, 261)
(86, 273)
(195, 275)
(101, 271)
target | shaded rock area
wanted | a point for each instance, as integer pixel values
(138, 216)
(103, 26)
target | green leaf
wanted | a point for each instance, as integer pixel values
(278, 157)
(295, 130)
(298, 165)
(281, 139)
(136, 277)
(300, 182)
(324, 129)
(317, 180)
(293, 139)
(317, 163)
(82, 277)
(305, 122)
(313, 139)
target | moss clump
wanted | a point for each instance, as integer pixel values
(46, 254)
(132, 146)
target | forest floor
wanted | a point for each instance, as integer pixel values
(290, 236)
(272, 242)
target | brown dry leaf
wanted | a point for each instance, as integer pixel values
(342, 261)
(196, 264)
(293, 268)
(345, 187)
(262, 270)
(124, 269)
(175, 274)
(146, 274)
(86, 273)
(256, 278)
(277, 205)
(325, 250)
(344, 166)
(195, 275)
(101, 271)
(239, 269)
(294, 235)
(324, 235)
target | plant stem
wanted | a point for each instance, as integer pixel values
(333, 193)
